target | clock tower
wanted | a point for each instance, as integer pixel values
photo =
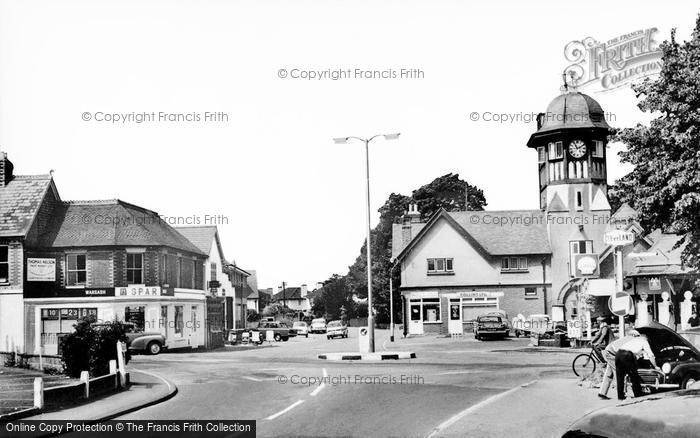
(571, 142)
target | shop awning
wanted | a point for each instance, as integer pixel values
(600, 287)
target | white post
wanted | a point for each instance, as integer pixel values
(619, 283)
(391, 306)
(664, 311)
(39, 392)
(642, 312)
(121, 366)
(85, 378)
(370, 313)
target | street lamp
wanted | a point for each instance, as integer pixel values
(366, 141)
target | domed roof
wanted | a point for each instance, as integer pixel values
(573, 110)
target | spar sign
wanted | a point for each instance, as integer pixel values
(618, 238)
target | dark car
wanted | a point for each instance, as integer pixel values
(280, 331)
(671, 414)
(678, 359)
(491, 325)
(140, 341)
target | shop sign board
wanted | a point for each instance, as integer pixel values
(138, 291)
(654, 283)
(618, 238)
(477, 294)
(587, 265)
(41, 269)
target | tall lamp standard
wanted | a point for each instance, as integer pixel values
(366, 141)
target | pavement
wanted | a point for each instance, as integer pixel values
(146, 389)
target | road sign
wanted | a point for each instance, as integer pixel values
(618, 238)
(620, 304)
(363, 340)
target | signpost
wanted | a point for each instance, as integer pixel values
(618, 239)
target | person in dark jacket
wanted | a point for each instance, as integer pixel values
(604, 337)
(694, 320)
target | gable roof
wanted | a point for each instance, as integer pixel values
(667, 259)
(494, 233)
(110, 223)
(20, 200)
(291, 293)
(201, 237)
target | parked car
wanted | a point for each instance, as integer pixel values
(280, 330)
(302, 328)
(140, 341)
(491, 325)
(679, 360)
(667, 415)
(318, 325)
(336, 329)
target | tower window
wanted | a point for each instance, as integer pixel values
(541, 155)
(556, 150)
(598, 149)
(579, 200)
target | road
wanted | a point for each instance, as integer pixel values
(281, 385)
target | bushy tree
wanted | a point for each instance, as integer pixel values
(90, 349)
(665, 183)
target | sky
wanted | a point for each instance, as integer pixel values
(289, 203)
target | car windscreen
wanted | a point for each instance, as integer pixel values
(489, 319)
(334, 324)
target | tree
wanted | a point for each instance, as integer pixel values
(448, 192)
(90, 349)
(665, 183)
(334, 296)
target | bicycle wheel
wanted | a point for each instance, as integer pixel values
(584, 365)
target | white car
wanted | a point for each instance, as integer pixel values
(336, 329)
(318, 325)
(302, 328)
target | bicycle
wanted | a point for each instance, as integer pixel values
(585, 363)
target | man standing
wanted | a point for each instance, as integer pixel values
(609, 354)
(694, 321)
(626, 363)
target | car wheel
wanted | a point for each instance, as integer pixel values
(154, 348)
(328, 337)
(517, 334)
(285, 339)
(278, 337)
(307, 335)
(690, 381)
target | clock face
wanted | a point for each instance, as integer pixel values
(577, 148)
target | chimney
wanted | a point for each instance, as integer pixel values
(6, 169)
(304, 290)
(319, 285)
(412, 215)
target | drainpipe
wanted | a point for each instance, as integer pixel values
(544, 284)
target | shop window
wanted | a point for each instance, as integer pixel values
(134, 268)
(440, 266)
(514, 264)
(4, 264)
(164, 317)
(474, 307)
(431, 310)
(179, 322)
(135, 315)
(58, 322)
(76, 269)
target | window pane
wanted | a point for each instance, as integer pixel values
(431, 312)
(560, 149)
(71, 262)
(440, 264)
(4, 272)
(431, 264)
(81, 277)
(523, 263)
(504, 263)
(448, 264)
(4, 253)
(138, 260)
(513, 263)
(80, 261)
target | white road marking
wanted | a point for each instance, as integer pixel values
(170, 387)
(321, 386)
(294, 405)
(476, 407)
(254, 379)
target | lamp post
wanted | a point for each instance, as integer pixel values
(366, 141)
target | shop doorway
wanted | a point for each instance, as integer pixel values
(415, 321)
(454, 324)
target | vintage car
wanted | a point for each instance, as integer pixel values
(678, 359)
(280, 331)
(491, 325)
(140, 341)
(318, 325)
(336, 329)
(671, 414)
(302, 328)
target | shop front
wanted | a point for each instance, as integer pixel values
(178, 314)
(449, 312)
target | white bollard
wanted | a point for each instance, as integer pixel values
(85, 378)
(686, 310)
(39, 392)
(121, 366)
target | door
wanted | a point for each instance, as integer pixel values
(415, 322)
(454, 325)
